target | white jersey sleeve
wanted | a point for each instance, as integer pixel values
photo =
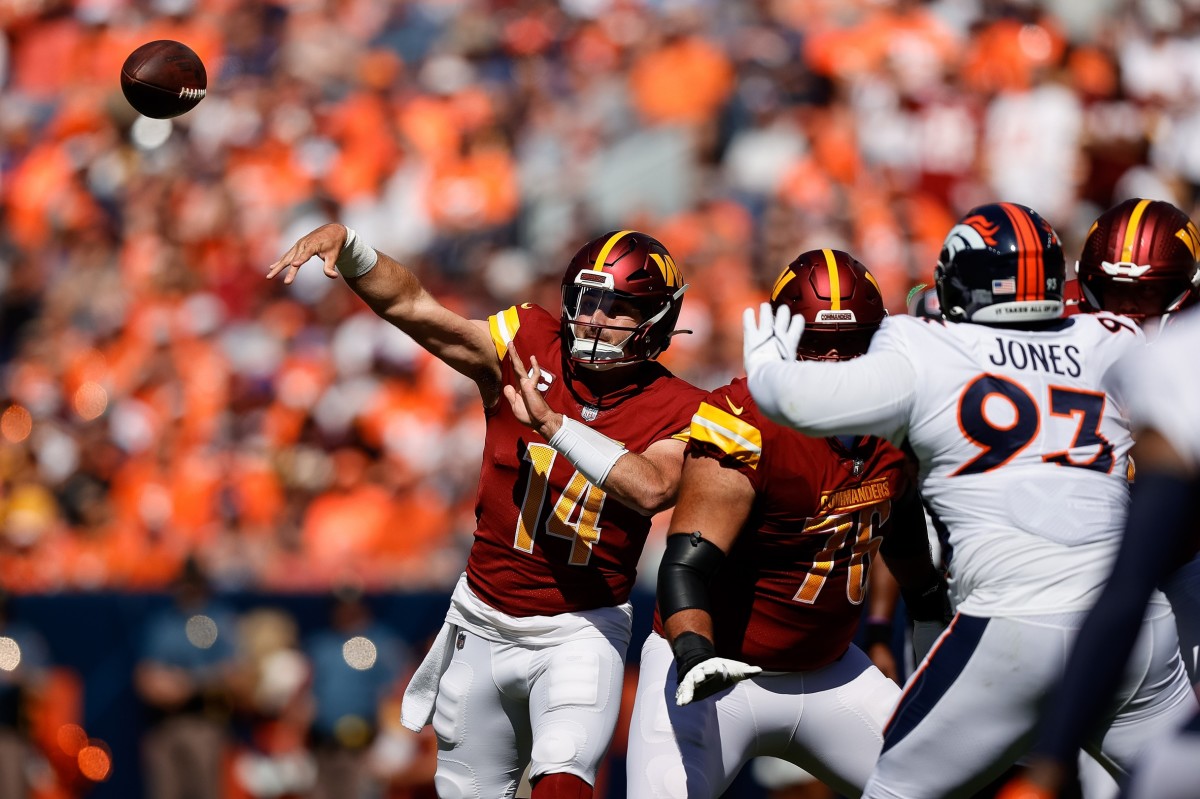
(1161, 386)
(870, 395)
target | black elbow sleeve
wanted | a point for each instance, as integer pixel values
(687, 566)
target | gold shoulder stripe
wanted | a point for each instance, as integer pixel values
(503, 327)
(733, 436)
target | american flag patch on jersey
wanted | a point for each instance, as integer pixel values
(1007, 285)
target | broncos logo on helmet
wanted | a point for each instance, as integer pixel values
(839, 300)
(1001, 263)
(1139, 260)
(627, 276)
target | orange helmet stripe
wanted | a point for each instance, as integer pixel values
(607, 248)
(1131, 228)
(835, 280)
(1029, 260)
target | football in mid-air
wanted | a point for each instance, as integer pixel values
(163, 79)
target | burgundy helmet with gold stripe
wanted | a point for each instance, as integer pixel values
(1139, 260)
(1001, 263)
(839, 300)
(623, 273)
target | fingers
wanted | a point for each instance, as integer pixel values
(331, 269)
(796, 328)
(782, 320)
(749, 319)
(292, 260)
(325, 242)
(517, 364)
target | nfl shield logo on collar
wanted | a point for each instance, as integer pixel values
(589, 413)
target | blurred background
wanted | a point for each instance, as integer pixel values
(232, 510)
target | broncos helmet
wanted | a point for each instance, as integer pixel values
(1001, 263)
(1139, 260)
(923, 302)
(622, 269)
(839, 299)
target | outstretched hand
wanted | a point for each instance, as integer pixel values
(770, 336)
(325, 242)
(528, 404)
(710, 677)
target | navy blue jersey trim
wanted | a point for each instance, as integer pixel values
(944, 665)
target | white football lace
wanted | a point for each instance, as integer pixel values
(192, 94)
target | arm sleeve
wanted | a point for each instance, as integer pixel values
(1156, 526)
(870, 395)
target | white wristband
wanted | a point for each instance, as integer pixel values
(356, 258)
(590, 452)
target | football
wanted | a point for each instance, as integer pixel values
(163, 79)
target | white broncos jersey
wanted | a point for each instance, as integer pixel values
(1023, 455)
(1023, 452)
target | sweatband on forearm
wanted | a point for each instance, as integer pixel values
(356, 258)
(690, 649)
(592, 453)
(687, 566)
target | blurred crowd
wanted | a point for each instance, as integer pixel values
(166, 412)
(159, 397)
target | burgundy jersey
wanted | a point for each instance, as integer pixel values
(547, 540)
(789, 595)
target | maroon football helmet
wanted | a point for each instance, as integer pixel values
(839, 300)
(623, 272)
(1139, 260)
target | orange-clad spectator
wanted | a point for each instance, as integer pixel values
(344, 527)
(430, 125)
(806, 185)
(40, 46)
(40, 183)
(420, 528)
(361, 127)
(684, 81)
(478, 190)
(267, 176)
(1007, 53)
(404, 408)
